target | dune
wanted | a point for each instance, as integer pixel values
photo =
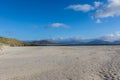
(60, 63)
(13, 42)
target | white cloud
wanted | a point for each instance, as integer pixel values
(85, 7)
(58, 25)
(98, 21)
(79, 7)
(112, 37)
(110, 9)
(97, 4)
(70, 40)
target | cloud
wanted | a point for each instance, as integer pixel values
(110, 9)
(97, 4)
(70, 40)
(85, 7)
(79, 7)
(111, 37)
(98, 21)
(76, 40)
(58, 25)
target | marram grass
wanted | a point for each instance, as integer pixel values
(12, 42)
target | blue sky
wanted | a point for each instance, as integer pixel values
(45, 19)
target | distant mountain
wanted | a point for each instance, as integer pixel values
(117, 42)
(69, 42)
(88, 42)
(13, 42)
(76, 42)
(98, 42)
(43, 42)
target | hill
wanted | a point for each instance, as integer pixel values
(13, 42)
(43, 42)
(99, 42)
(87, 42)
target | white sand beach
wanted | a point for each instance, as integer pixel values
(60, 63)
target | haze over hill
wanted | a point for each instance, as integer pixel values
(76, 42)
(43, 42)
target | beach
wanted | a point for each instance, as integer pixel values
(60, 63)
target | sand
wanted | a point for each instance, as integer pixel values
(60, 63)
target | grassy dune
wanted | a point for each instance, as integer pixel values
(13, 42)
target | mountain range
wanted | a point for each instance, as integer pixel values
(77, 42)
(50, 42)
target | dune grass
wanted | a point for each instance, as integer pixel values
(12, 42)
